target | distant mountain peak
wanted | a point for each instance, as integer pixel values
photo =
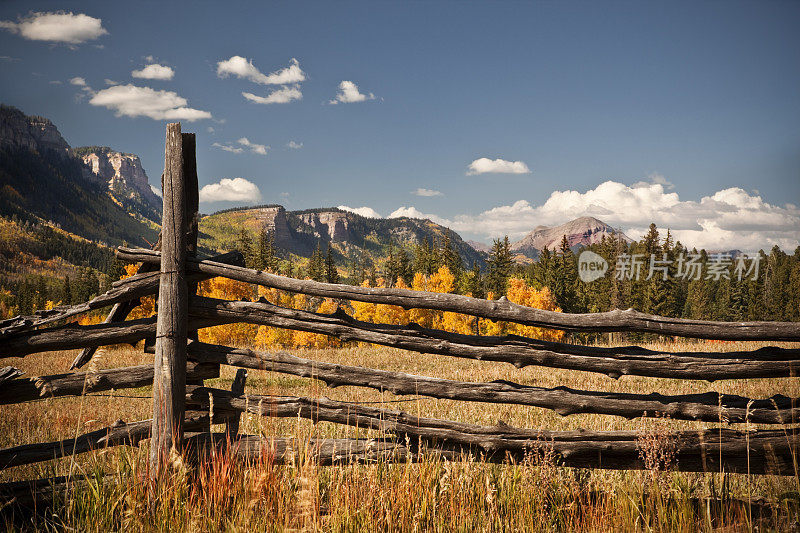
(581, 231)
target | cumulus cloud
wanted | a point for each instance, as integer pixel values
(413, 212)
(730, 218)
(60, 27)
(230, 190)
(349, 93)
(244, 142)
(284, 95)
(77, 80)
(292, 145)
(133, 101)
(156, 191)
(484, 165)
(154, 71)
(363, 211)
(259, 149)
(426, 192)
(243, 68)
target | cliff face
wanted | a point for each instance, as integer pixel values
(274, 220)
(123, 173)
(332, 226)
(34, 133)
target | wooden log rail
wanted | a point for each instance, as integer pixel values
(124, 290)
(708, 407)
(618, 320)
(711, 450)
(114, 435)
(519, 351)
(768, 362)
(29, 389)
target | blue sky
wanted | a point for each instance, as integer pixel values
(684, 114)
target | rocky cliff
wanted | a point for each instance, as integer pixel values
(125, 177)
(350, 235)
(579, 232)
(332, 226)
(33, 133)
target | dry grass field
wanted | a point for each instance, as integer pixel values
(433, 495)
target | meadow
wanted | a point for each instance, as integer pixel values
(432, 495)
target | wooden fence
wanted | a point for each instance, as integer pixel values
(182, 411)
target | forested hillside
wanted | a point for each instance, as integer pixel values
(45, 186)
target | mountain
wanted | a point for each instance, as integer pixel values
(32, 133)
(580, 232)
(479, 246)
(125, 177)
(350, 235)
(42, 181)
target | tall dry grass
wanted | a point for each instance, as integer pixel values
(434, 495)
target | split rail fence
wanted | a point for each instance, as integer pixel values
(182, 414)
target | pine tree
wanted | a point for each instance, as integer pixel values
(500, 266)
(316, 265)
(405, 267)
(66, 292)
(451, 259)
(474, 283)
(245, 246)
(266, 259)
(331, 273)
(392, 267)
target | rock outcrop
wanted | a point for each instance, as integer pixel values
(331, 226)
(122, 172)
(34, 133)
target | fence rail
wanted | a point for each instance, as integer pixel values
(182, 404)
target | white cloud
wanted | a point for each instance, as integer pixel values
(349, 93)
(60, 27)
(210, 129)
(363, 211)
(292, 145)
(154, 71)
(133, 101)
(413, 212)
(484, 165)
(259, 149)
(228, 148)
(284, 95)
(244, 142)
(110, 82)
(243, 68)
(730, 218)
(426, 192)
(230, 190)
(77, 80)
(156, 191)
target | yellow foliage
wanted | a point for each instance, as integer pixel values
(521, 293)
(147, 307)
(228, 334)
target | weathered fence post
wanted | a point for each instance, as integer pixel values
(237, 388)
(169, 380)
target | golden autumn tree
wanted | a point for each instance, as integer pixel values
(228, 334)
(521, 293)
